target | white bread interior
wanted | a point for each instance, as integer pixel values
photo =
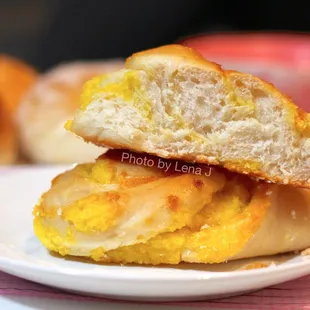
(173, 103)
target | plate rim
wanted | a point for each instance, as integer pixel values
(180, 274)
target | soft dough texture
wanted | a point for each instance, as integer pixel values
(173, 103)
(46, 107)
(113, 211)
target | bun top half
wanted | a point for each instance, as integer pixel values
(173, 103)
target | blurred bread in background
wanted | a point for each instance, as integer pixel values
(46, 107)
(8, 139)
(15, 79)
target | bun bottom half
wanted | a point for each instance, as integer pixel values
(115, 212)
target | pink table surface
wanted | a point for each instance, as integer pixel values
(291, 295)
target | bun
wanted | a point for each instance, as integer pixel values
(46, 107)
(117, 212)
(15, 79)
(8, 139)
(173, 103)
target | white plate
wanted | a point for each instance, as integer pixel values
(21, 254)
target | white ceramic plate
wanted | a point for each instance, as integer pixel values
(21, 254)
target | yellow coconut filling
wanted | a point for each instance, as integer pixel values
(231, 225)
(111, 86)
(94, 212)
(104, 172)
(221, 242)
(247, 166)
(125, 85)
(224, 206)
(52, 238)
(238, 102)
(99, 212)
(120, 86)
(162, 249)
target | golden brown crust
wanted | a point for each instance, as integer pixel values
(184, 53)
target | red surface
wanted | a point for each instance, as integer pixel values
(282, 59)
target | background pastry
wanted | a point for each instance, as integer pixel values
(8, 139)
(46, 107)
(15, 79)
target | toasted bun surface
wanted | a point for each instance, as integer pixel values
(173, 103)
(48, 104)
(115, 211)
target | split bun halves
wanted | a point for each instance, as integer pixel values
(126, 207)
